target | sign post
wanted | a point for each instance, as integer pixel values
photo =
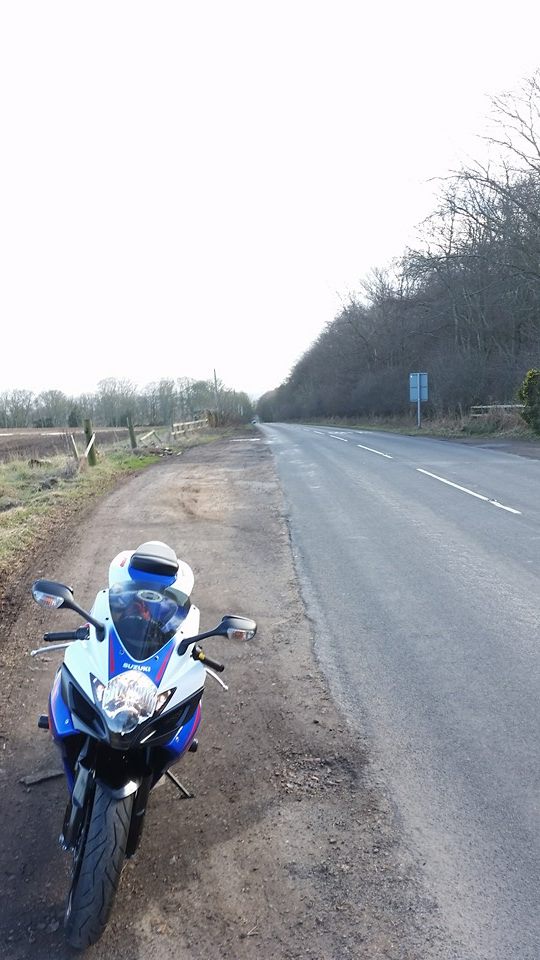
(418, 392)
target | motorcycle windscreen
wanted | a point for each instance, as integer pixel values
(145, 616)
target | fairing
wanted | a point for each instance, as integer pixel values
(92, 661)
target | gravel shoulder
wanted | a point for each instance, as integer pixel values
(289, 849)
(520, 448)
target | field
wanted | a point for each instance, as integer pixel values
(26, 443)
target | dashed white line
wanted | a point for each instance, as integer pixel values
(371, 450)
(450, 483)
(472, 493)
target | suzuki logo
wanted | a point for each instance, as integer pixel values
(136, 666)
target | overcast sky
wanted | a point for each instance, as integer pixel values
(195, 186)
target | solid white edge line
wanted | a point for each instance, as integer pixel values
(479, 496)
(371, 450)
(338, 438)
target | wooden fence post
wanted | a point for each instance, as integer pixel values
(90, 447)
(74, 450)
(132, 438)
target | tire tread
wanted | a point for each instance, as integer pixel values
(93, 892)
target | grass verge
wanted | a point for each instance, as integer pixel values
(38, 498)
(35, 499)
(499, 425)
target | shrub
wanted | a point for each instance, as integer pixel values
(529, 394)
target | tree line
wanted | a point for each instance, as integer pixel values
(463, 306)
(166, 401)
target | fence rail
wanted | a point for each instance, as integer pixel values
(484, 410)
(151, 433)
(187, 425)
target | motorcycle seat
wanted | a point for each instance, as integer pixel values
(155, 557)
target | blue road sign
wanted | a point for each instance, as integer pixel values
(418, 381)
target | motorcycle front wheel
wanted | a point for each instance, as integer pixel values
(97, 866)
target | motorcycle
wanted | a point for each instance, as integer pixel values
(125, 705)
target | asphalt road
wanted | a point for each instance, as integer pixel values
(419, 561)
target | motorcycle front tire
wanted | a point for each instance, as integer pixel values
(97, 867)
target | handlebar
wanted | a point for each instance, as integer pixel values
(80, 634)
(199, 654)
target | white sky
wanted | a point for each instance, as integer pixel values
(190, 186)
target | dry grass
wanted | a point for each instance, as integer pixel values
(502, 423)
(34, 496)
(38, 495)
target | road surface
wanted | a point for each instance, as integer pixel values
(419, 562)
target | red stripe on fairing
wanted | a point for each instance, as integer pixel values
(163, 667)
(50, 711)
(111, 655)
(196, 721)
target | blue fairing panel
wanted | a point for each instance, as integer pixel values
(59, 715)
(185, 734)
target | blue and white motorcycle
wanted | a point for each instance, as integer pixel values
(124, 706)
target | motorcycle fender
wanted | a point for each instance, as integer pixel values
(82, 793)
(119, 792)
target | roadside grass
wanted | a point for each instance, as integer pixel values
(501, 424)
(35, 499)
(38, 497)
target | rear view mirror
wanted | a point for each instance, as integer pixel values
(237, 628)
(49, 593)
(233, 627)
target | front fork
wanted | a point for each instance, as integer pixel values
(81, 797)
(137, 815)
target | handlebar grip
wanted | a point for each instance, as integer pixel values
(80, 634)
(218, 667)
(199, 654)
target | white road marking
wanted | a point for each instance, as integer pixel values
(246, 440)
(321, 434)
(479, 496)
(371, 450)
(338, 438)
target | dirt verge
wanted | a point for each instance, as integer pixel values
(520, 448)
(288, 849)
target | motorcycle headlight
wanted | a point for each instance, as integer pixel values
(127, 700)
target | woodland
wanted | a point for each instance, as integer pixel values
(463, 306)
(166, 401)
